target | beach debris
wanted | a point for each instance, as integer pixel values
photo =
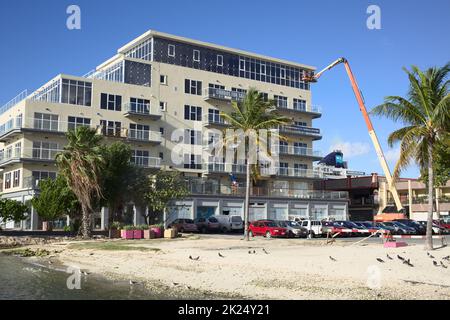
(430, 255)
(187, 287)
(175, 284)
(435, 263)
(195, 259)
(380, 260)
(388, 256)
(332, 259)
(265, 251)
(50, 262)
(221, 255)
(91, 254)
(443, 265)
(251, 251)
(400, 258)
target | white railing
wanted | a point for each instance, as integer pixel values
(147, 162)
(142, 135)
(20, 97)
(309, 131)
(299, 151)
(141, 109)
(28, 153)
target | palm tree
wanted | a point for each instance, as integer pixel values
(425, 112)
(80, 163)
(250, 115)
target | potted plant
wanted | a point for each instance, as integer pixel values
(114, 230)
(127, 232)
(138, 232)
(148, 234)
(158, 229)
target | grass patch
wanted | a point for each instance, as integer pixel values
(111, 246)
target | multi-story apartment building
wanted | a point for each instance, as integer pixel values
(162, 94)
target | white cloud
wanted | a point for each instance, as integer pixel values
(351, 149)
(392, 155)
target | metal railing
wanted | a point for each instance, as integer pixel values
(142, 135)
(146, 162)
(222, 94)
(11, 103)
(299, 151)
(309, 131)
(28, 153)
(141, 109)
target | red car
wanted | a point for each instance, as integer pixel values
(268, 229)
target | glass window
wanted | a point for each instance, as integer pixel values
(76, 92)
(171, 50)
(192, 113)
(75, 122)
(111, 102)
(197, 55)
(192, 87)
(219, 60)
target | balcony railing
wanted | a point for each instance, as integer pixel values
(147, 162)
(299, 151)
(300, 108)
(141, 135)
(36, 154)
(214, 119)
(301, 130)
(296, 173)
(141, 109)
(222, 94)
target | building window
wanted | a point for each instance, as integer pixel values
(171, 50)
(163, 105)
(281, 102)
(192, 113)
(44, 150)
(216, 86)
(192, 161)
(161, 155)
(265, 96)
(139, 105)
(192, 137)
(219, 60)
(111, 102)
(140, 158)
(46, 121)
(161, 129)
(284, 168)
(197, 55)
(43, 175)
(300, 124)
(299, 104)
(163, 79)
(16, 179)
(300, 169)
(192, 87)
(17, 150)
(76, 92)
(139, 131)
(9, 152)
(8, 180)
(111, 128)
(75, 122)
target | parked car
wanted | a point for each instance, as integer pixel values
(229, 223)
(293, 228)
(266, 228)
(183, 225)
(350, 225)
(441, 224)
(314, 227)
(420, 229)
(334, 227)
(210, 224)
(445, 222)
(436, 229)
(386, 227)
(372, 226)
(400, 228)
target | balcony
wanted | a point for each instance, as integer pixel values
(144, 136)
(147, 162)
(223, 95)
(214, 120)
(314, 111)
(300, 152)
(133, 109)
(296, 173)
(301, 131)
(28, 155)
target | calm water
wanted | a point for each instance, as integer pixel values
(22, 280)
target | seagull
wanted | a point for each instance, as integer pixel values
(435, 263)
(446, 258)
(175, 284)
(265, 251)
(443, 265)
(332, 259)
(430, 255)
(133, 282)
(401, 258)
(195, 259)
(407, 262)
(50, 262)
(220, 255)
(380, 260)
(388, 256)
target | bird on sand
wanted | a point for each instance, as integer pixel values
(133, 282)
(85, 273)
(380, 260)
(430, 255)
(388, 256)
(408, 262)
(332, 259)
(265, 251)
(401, 258)
(443, 265)
(446, 258)
(435, 263)
(195, 259)
(175, 284)
(220, 255)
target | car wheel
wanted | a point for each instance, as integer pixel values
(203, 230)
(224, 230)
(250, 234)
(182, 230)
(312, 234)
(268, 235)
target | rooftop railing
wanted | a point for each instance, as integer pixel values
(20, 97)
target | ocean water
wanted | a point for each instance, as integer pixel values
(21, 280)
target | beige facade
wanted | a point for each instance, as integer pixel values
(148, 114)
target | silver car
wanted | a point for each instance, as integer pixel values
(294, 229)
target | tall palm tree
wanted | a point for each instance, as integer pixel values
(250, 115)
(80, 163)
(425, 112)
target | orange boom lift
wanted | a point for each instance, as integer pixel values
(372, 134)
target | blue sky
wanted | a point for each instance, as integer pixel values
(36, 45)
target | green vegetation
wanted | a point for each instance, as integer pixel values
(425, 113)
(249, 116)
(11, 210)
(112, 246)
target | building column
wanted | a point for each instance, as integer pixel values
(410, 199)
(34, 219)
(104, 216)
(438, 210)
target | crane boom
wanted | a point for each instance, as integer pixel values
(372, 134)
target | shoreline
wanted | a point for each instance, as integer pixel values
(291, 269)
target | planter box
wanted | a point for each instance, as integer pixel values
(149, 234)
(392, 244)
(127, 234)
(170, 233)
(138, 234)
(114, 234)
(157, 231)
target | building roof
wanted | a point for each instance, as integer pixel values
(152, 33)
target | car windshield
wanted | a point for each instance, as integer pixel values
(293, 224)
(188, 221)
(389, 224)
(236, 219)
(271, 224)
(282, 224)
(368, 224)
(213, 220)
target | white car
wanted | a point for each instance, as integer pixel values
(230, 223)
(314, 227)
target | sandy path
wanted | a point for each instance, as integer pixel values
(293, 269)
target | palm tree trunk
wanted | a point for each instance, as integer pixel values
(429, 237)
(86, 223)
(247, 200)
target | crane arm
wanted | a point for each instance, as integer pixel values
(372, 134)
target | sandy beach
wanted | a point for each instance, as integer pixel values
(264, 269)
